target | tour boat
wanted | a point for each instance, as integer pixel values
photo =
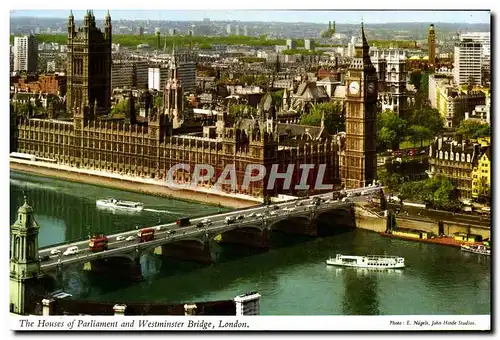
(369, 261)
(479, 249)
(117, 204)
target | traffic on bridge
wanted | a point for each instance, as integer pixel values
(103, 246)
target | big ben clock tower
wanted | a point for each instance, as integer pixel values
(359, 166)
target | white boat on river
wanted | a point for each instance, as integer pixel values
(112, 203)
(369, 261)
(476, 249)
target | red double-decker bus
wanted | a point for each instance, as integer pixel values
(98, 243)
(146, 235)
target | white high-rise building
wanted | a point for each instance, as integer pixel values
(25, 54)
(482, 37)
(157, 77)
(245, 31)
(467, 63)
(228, 29)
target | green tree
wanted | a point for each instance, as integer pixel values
(205, 46)
(415, 191)
(389, 179)
(385, 138)
(429, 118)
(278, 97)
(441, 193)
(242, 110)
(120, 107)
(392, 121)
(473, 129)
(158, 101)
(419, 133)
(334, 120)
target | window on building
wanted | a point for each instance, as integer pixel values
(440, 154)
(468, 158)
(463, 157)
(446, 155)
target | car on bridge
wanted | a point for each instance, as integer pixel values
(251, 215)
(44, 258)
(130, 238)
(206, 221)
(55, 252)
(230, 219)
(71, 251)
(120, 238)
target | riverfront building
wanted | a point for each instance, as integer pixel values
(170, 134)
(463, 162)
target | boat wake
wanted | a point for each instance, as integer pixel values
(163, 211)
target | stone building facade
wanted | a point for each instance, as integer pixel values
(89, 65)
(455, 159)
(392, 76)
(170, 135)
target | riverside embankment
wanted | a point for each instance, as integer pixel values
(128, 183)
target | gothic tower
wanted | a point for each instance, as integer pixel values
(88, 67)
(431, 44)
(359, 165)
(173, 100)
(24, 262)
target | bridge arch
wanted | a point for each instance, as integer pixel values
(301, 224)
(335, 221)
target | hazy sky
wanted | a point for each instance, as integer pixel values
(283, 16)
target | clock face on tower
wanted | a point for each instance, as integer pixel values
(354, 87)
(371, 88)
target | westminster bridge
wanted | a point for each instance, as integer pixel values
(192, 242)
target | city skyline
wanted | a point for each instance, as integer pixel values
(320, 16)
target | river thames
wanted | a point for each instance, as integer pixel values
(292, 276)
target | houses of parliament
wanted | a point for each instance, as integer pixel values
(171, 134)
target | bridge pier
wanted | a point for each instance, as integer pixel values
(307, 227)
(253, 237)
(128, 268)
(187, 250)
